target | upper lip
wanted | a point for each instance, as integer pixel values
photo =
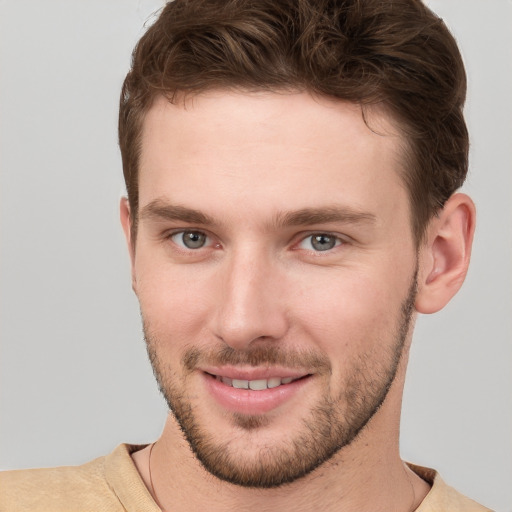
(251, 373)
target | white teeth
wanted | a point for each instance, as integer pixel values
(240, 384)
(258, 385)
(255, 385)
(273, 382)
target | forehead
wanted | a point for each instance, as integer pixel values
(270, 146)
(279, 113)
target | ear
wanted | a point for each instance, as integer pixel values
(444, 257)
(126, 223)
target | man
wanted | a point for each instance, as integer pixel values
(292, 172)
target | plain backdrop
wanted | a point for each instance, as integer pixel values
(74, 376)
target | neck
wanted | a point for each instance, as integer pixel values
(368, 475)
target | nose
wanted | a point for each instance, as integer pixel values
(251, 305)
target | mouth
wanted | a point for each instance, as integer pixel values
(254, 391)
(257, 384)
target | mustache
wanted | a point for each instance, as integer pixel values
(263, 355)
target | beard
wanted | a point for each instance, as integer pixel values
(332, 424)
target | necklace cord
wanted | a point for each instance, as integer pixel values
(412, 507)
(151, 477)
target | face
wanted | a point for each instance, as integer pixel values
(275, 268)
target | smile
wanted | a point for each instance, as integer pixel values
(251, 390)
(258, 384)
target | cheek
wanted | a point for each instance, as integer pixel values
(173, 303)
(349, 314)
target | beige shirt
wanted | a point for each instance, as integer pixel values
(113, 484)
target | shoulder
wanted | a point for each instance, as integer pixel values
(68, 488)
(442, 497)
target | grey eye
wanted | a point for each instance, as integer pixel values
(321, 242)
(190, 239)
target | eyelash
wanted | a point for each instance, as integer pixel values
(171, 236)
(338, 241)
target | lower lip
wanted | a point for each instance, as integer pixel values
(247, 401)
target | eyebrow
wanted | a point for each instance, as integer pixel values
(309, 216)
(160, 209)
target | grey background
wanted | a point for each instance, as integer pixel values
(74, 379)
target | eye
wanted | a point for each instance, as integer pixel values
(190, 239)
(320, 242)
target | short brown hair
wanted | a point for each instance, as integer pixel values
(396, 54)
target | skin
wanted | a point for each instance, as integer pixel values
(245, 160)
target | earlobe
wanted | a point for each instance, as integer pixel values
(125, 217)
(444, 258)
